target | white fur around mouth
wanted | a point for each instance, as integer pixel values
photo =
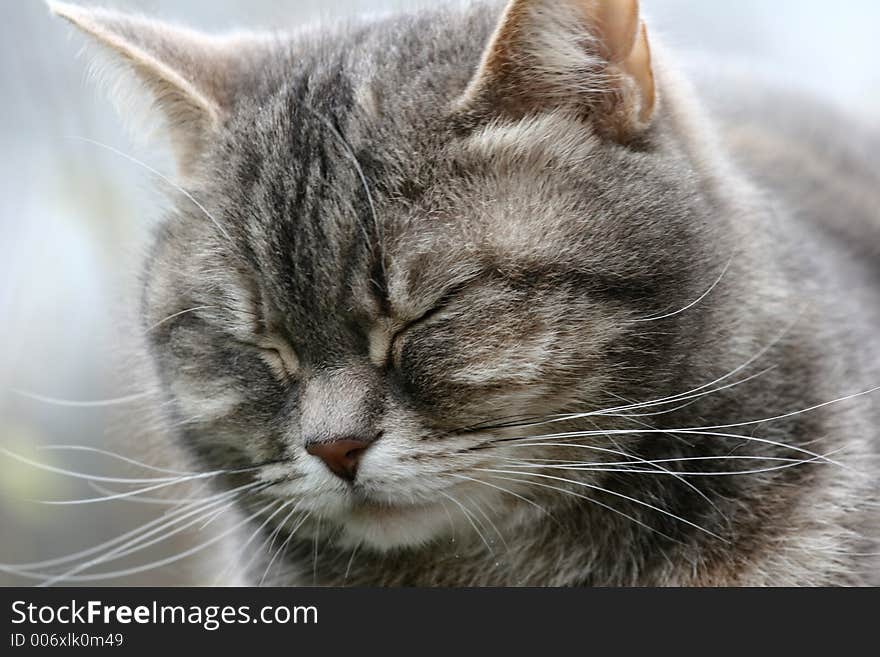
(385, 527)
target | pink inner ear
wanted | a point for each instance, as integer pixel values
(638, 66)
(589, 56)
(616, 26)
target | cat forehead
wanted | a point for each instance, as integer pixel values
(329, 197)
(330, 159)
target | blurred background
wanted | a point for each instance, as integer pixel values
(74, 217)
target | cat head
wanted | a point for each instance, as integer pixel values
(407, 257)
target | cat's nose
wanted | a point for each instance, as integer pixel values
(341, 456)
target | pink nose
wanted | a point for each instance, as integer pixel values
(341, 456)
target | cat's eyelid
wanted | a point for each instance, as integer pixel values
(437, 303)
(395, 329)
(384, 334)
(287, 361)
(278, 353)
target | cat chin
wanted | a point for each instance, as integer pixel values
(390, 528)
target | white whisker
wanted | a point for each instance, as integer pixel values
(131, 542)
(608, 492)
(72, 403)
(687, 431)
(351, 561)
(479, 508)
(587, 498)
(305, 516)
(681, 396)
(145, 499)
(88, 477)
(693, 303)
(243, 547)
(502, 489)
(315, 560)
(156, 564)
(161, 177)
(350, 154)
(468, 517)
(725, 473)
(49, 563)
(120, 457)
(177, 314)
(731, 457)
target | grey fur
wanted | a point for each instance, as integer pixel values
(511, 277)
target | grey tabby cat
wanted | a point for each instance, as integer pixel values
(482, 296)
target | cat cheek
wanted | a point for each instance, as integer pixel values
(207, 400)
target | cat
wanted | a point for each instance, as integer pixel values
(491, 295)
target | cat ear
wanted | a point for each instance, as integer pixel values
(592, 55)
(193, 78)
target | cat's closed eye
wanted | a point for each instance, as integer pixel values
(397, 339)
(280, 357)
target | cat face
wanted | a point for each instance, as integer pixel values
(390, 280)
